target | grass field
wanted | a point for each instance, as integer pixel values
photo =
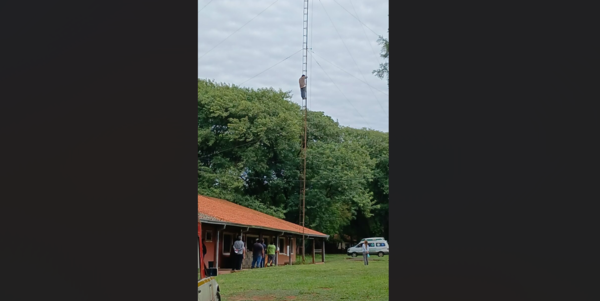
(339, 278)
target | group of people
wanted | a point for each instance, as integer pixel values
(259, 250)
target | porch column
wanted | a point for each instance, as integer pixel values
(323, 251)
(277, 254)
(290, 248)
(217, 252)
(313, 250)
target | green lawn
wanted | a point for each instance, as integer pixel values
(339, 278)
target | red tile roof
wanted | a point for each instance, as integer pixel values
(212, 209)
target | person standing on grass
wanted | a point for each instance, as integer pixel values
(239, 250)
(264, 259)
(258, 241)
(258, 251)
(271, 253)
(365, 249)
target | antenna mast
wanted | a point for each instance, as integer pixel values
(304, 105)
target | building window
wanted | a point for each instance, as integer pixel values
(227, 243)
(250, 240)
(281, 244)
(208, 236)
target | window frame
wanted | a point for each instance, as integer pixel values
(249, 246)
(206, 238)
(282, 247)
(227, 251)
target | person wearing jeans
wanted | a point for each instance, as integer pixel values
(302, 82)
(264, 258)
(257, 254)
(365, 249)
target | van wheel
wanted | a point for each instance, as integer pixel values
(380, 254)
(218, 296)
(354, 254)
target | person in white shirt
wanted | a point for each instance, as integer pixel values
(240, 251)
(365, 249)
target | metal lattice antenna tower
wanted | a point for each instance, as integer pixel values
(305, 38)
(304, 105)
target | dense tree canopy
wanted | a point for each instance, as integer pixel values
(249, 152)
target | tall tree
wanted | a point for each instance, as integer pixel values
(375, 223)
(338, 173)
(247, 144)
(249, 147)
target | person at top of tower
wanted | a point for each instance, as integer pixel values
(303, 86)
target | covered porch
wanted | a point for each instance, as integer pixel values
(219, 238)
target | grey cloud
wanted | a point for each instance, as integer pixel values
(277, 34)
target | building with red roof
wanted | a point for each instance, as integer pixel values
(224, 221)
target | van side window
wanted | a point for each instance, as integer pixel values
(380, 244)
(371, 245)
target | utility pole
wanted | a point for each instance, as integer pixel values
(305, 103)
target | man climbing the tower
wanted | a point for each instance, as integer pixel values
(303, 86)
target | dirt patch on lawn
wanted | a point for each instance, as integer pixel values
(361, 259)
(290, 297)
(255, 298)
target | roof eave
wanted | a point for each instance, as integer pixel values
(260, 227)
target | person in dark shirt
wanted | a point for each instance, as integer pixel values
(258, 252)
(264, 258)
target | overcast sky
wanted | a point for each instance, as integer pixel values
(346, 50)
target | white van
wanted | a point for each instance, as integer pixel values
(377, 245)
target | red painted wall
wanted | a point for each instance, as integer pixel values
(210, 245)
